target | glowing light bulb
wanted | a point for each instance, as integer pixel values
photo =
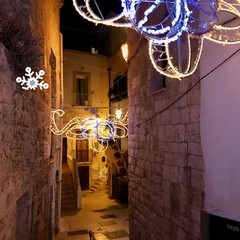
(124, 49)
(118, 113)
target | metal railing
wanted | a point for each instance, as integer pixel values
(82, 99)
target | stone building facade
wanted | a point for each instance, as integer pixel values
(30, 157)
(165, 158)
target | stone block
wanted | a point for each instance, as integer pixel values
(174, 175)
(160, 131)
(184, 115)
(193, 96)
(181, 233)
(197, 183)
(166, 117)
(194, 114)
(194, 149)
(193, 132)
(180, 133)
(175, 159)
(175, 116)
(169, 133)
(195, 214)
(166, 185)
(182, 147)
(195, 162)
(182, 102)
(184, 85)
(196, 230)
(159, 105)
(166, 172)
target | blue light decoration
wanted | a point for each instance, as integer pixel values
(172, 24)
(98, 131)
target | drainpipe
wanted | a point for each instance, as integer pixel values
(109, 85)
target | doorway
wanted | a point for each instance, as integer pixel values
(64, 150)
(83, 173)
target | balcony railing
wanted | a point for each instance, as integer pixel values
(82, 99)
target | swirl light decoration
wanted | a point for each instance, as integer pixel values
(98, 131)
(175, 29)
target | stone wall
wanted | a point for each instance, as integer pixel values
(29, 156)
(165, 158)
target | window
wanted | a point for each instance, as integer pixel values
(119, 89)
(81, 88)
(157, 80)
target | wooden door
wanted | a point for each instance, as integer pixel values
(82, 150)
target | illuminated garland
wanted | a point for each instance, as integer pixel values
(172, 24)
(165, 30)
(98, 131)
(85, 10)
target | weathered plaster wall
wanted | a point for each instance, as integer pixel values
(29, 163)
(165, 158)
(220, 136)
(97, 66)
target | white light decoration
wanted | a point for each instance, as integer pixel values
(161, 28)
(175, 29)
(32, 82)
(98, 131)
(85, 10)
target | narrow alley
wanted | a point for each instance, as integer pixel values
(105, 217)
(119, 120)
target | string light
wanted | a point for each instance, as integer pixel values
(170, 70)
(225, 35)
(86, 12)
(95, 129)
(166, 30)
(192, 19)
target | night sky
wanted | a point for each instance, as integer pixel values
(78, 33)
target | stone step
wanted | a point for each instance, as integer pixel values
(65, 183)
(67, 186)
(98, 185)
(68, 196)
(68, 200)
(67, 191)
(67, 179)
(68, 207)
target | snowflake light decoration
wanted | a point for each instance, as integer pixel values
(175, 29)
(31, 80)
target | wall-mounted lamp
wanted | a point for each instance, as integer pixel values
(118, 113)
(124, 49)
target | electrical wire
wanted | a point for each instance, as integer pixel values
(125, 74)
(137, 49)
(189, 89)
